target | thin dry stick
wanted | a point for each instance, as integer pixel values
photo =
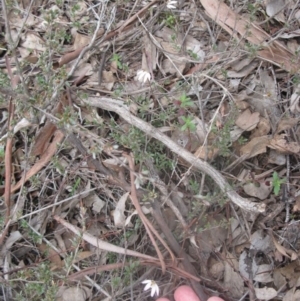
(8, 153)
(144, 219)
(101, 244)
(111, 104)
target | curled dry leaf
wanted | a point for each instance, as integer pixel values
(149, 58)
(286, 124)
(247, 120)
(234, 84)
(97, 203)
(261, 242)
(232, 280)
(80, 40)
(265, 293)
(14, 19)
(263, 128)
(250, 267)
(76, 294)
(85, 69)
(292, 294)
(284, 251)
(280, 143)
(118, 214)
(276, 158)
(240, 64)
(45, 158)
(206, 152)
(264, 273)
(32, 41)
(13, 237)
(217, 270)
(274, 9)
(186, 139)
(259, 190)
(108, 80)
(296, 207)
(256, 146)
(288, 274)
(195, 47)
(20, 125)
(115, 163)
(294, 103)
(235, 133)
(243, 72)
(247, 265)
(175, 62)
(52, 255)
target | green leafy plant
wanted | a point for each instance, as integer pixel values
(296, 79)
(36, 238)
(117, 59)
(277, 182)
(192, 54)
(170, 20)
(223, 139)
(75, 186)
(252, 49)
(39, 284)
(242, 140)
(185, 101)
(189, 124)
(194, 186)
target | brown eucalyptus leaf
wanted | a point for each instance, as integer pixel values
(247, 120)
(256, 146)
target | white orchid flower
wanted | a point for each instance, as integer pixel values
(153, 285)
(171, 4)
(143, 76)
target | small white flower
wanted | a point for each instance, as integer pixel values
(171, 4)
(153, 285)
(143, 76)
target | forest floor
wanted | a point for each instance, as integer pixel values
(150, 141)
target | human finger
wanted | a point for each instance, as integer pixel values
(185, 293)
(215, 299)
(162, 299)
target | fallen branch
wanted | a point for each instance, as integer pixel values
(116, 106)
(101, 244)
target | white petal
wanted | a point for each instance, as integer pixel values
(146, 76)
(139, 73)
(154, 289)
(143, 76)
(148, 286)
